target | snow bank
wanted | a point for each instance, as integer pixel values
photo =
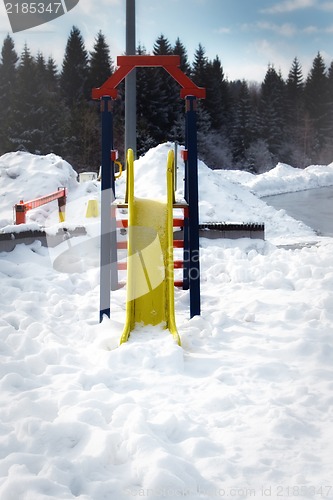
(24, 176)
(284, 179)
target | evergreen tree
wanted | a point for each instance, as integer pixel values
(82, 134)
(52, 76)
(100, 65)
(169, 99)
(258, 158)
(177, 132)
(147, 106)
(272, 111)
(295, 116)
(317, 105)
(329, 140)
(294, 93)
(53, 113)
(74, 73)
(217, 99)
(244, 126)
(27, 132)
(200, 77)
(199, 67)
(8, 74)
(294, 96)
(180, 50)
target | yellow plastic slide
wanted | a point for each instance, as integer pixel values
(150, 274)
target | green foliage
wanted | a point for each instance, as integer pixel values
(8, 75)
(74, 73)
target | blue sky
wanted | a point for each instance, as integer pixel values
(247, 35)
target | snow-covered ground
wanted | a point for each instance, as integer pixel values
(243, 409)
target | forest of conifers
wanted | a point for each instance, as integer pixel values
(241, 124)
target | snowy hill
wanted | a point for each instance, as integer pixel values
(242, 409)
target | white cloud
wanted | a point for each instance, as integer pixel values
(310, 30)
(222, 31)
(290, 6)
(327, 6)
(329, 29)
(89, 7)
(273, 54)
(285, 29)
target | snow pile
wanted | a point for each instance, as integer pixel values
(24, 176)
(284, 179)
(223, 194)
(242, 409)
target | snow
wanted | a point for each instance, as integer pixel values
(284, 179)
(243, 409)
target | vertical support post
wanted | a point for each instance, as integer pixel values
(107, 195)
(192, 198)
(20, 211)
(62, 206)
(130, 81)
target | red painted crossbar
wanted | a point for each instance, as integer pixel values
(127, 63)
(22, 207)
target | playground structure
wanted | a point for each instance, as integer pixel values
(23, 207)
(150, 287)
(150, 279)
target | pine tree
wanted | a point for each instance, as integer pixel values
(199, 67)
(328, 152)
(8, 76)
(295, 116)
(217, 98)
(180, 50)
(100, 64)
(316, 102)
(177, 132)
(243, 130)
(200, 77)
(272, 110)
(168, 89)
(147, 106)
(53, 113)
(83, 138)
(52, 76)
(26, 131)
(295, 95)
(74, 73)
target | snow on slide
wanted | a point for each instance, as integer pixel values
(150, 279)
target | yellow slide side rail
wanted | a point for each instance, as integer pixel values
(169, 263)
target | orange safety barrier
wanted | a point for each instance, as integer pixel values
(22, 207)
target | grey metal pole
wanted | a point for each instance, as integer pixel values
(130, 81)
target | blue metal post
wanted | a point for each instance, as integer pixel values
(192, 198)
(107, 196)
